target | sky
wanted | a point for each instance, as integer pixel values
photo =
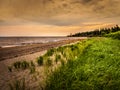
(56, 17)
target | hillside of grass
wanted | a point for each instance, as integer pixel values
(115, 35)
(96, 68)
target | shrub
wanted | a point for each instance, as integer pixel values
(40, 61)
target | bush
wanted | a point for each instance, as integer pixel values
(40, 61)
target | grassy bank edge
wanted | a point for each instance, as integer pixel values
(96, 68)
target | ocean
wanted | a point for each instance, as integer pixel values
(21, 41)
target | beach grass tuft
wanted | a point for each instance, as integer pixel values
(48, 62)
(40, 60)
(10, 68)
(18, 85)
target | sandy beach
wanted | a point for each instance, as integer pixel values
(12, 52)
(29, 53)
(7, 77)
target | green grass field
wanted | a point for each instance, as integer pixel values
(91, 64)
(115, 35)
(97, 67)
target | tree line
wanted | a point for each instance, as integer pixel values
(97, 32)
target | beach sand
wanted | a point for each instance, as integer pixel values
(7, 77)
(28, 53)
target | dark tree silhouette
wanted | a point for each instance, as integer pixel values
(97, 32)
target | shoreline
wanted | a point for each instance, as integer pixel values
(12, 52)
(7, 77)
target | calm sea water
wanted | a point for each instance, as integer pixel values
(19, 41)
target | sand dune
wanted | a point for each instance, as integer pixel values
(28, 53)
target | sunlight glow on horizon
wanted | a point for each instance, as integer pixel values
(46, 30)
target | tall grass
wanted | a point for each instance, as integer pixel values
(21, 65)
(32, 67)
(40, 60)
(32, 64)
(48, 62)
(50, 52)
(10, 68)
(57, 58)
(24, 65)
(96, 68)
(18, 85)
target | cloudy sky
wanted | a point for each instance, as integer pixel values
(56, 17)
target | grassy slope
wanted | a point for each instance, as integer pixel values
(115, 35)
(98, 68)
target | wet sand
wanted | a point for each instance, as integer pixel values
(12, 52)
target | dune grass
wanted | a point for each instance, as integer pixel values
(92, 64)
(10, 68)
(40, 61)
(48, 62)
(57, 58)
(18, 85)
(53, 58)
(97, 67)
(21, 65)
